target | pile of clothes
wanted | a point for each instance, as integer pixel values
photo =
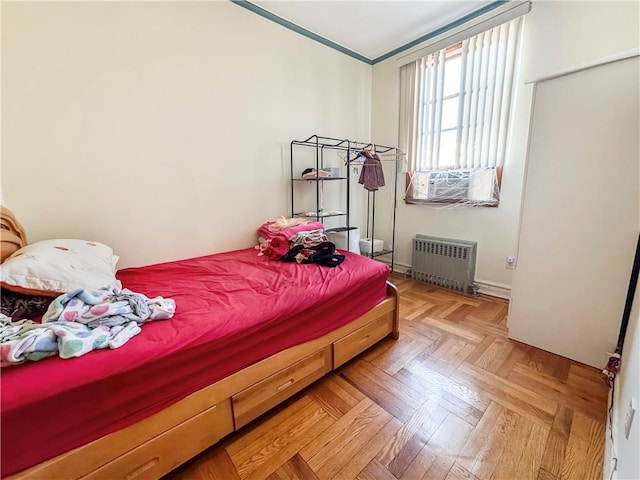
(297, 240)
(79, 322)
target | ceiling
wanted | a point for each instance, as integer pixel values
(370, 29)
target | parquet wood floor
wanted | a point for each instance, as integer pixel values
(452, 399)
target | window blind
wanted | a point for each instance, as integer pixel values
(456, 102)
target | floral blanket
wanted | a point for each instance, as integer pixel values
(79, 322)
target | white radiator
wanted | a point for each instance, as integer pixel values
(445, 262)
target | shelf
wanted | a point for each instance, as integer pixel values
(378, 254)
(331, 143)
(326, 215)
(319, 178)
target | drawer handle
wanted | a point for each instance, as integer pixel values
(364, 339)
(142, 468)
(286, 384)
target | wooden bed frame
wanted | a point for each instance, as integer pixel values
(160, 443)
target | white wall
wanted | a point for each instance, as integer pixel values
(556, 35)
(162, 128)
(562, 34)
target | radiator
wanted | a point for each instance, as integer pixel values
(445, 262)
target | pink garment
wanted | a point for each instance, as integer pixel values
(288, 232)
(282, 223)
(279, 246)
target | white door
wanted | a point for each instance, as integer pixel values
(580, 217)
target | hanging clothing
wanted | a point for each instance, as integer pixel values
(372, 174)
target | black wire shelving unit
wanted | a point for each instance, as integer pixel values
(351, 148)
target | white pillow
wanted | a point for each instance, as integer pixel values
(52, 267)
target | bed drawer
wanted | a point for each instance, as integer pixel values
(258, 398)
(351, 345)
(165, 452)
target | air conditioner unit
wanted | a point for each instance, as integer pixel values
(448, 185)
(477, 186)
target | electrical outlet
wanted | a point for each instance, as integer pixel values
(510, 262)
(629, 420)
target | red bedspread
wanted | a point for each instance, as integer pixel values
(233, 309)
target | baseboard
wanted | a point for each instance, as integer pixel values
(485, 287)
(400, 268)
(494, 289)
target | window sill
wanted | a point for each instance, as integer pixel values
(453, 203)
(452, 192)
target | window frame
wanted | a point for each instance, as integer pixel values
(481, 135)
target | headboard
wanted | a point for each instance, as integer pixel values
(12, 235)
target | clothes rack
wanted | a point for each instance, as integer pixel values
(319, 146)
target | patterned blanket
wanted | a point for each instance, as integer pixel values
(79, 322)
(99, 307)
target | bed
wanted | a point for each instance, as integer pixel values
(248, 333)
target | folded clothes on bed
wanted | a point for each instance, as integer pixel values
(276, 244)
(308, 239)
(279, 245)
(281, 223)
(286, 233)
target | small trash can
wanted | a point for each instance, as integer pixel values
(339, 237)
(371, 245)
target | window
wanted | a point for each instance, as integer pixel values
(455, 109)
